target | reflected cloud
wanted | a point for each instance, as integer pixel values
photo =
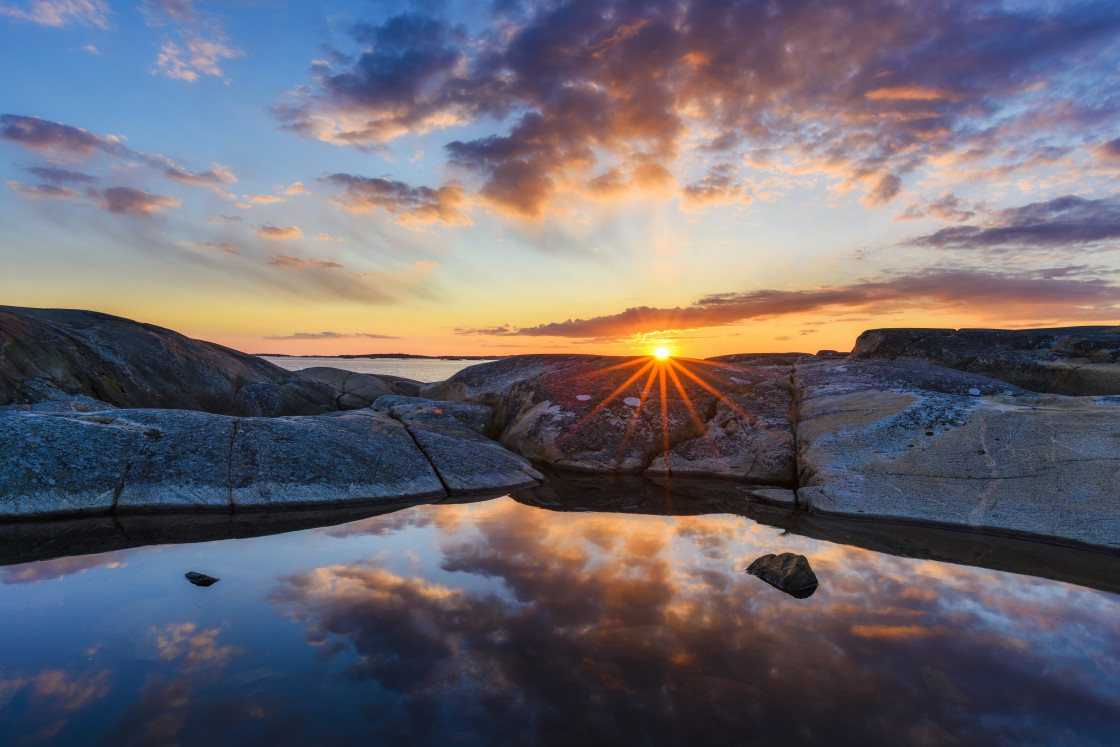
(656, 625)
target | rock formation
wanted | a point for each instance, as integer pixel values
(58, 354)
(1067, 360)
(613, 414)
(962, 428)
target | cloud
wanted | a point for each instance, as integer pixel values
(61, 12)
(296, 188)
(408, 203)
(225, 246)
(55, 175)
(947, 207)
(262, 199)
(218, 220)
(1108, 151)
(214, 178)
(179, 10)
(197, 56)
(717, 188)
(579, 89)
(43, 191)
(92, 49)
(38, 134)
(279, 232)
(1061, 222)
(282, 260)
(326, 237)
(124, 200)
(330, 336)
(973, 291)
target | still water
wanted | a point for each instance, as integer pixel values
(501, 622)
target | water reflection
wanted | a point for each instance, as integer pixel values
(608, 627)
(497, 622)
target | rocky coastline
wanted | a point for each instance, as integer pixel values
(1015, 432)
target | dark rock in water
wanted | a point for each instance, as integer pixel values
(62, 354)
(1080, 361)
(787, 572)
(201, 579)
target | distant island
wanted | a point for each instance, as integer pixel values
(390, 355)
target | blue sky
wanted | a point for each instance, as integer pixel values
(561, 176)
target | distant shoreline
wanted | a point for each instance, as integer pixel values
(389, 355)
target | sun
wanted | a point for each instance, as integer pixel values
(661, 353)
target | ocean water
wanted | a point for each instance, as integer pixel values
(417, 369)
(506, 621)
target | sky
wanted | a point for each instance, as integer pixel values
(495, 178)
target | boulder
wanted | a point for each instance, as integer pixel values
(903, 440)
(451, 435)
(357, 390)
(637, 414)
(1079, 361)
(787, 572)
(58, 354)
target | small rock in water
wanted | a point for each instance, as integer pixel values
(787, 572)
(200, 579)
(974, 392)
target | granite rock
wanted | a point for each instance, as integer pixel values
(1079, 361)
(905, 441)
(58, 354)
(616, 414)
(451, 435)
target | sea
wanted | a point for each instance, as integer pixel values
(417, 369)
(588, 611)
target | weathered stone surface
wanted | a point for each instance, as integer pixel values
(748, 436)
(54, 354)
(162, 460)
(614, 414)
(59, 465)
(361, 390)
(329, 459)
(451, 436)
(901, 440)
(788, 572)
(1062, 360)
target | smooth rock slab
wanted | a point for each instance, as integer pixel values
(172, 460)
(450, 435)
(329, 459)
(54, 465)
(890, 440)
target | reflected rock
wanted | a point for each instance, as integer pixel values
(786, 572)
(201, 579)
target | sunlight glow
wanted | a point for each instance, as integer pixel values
(661, 353)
